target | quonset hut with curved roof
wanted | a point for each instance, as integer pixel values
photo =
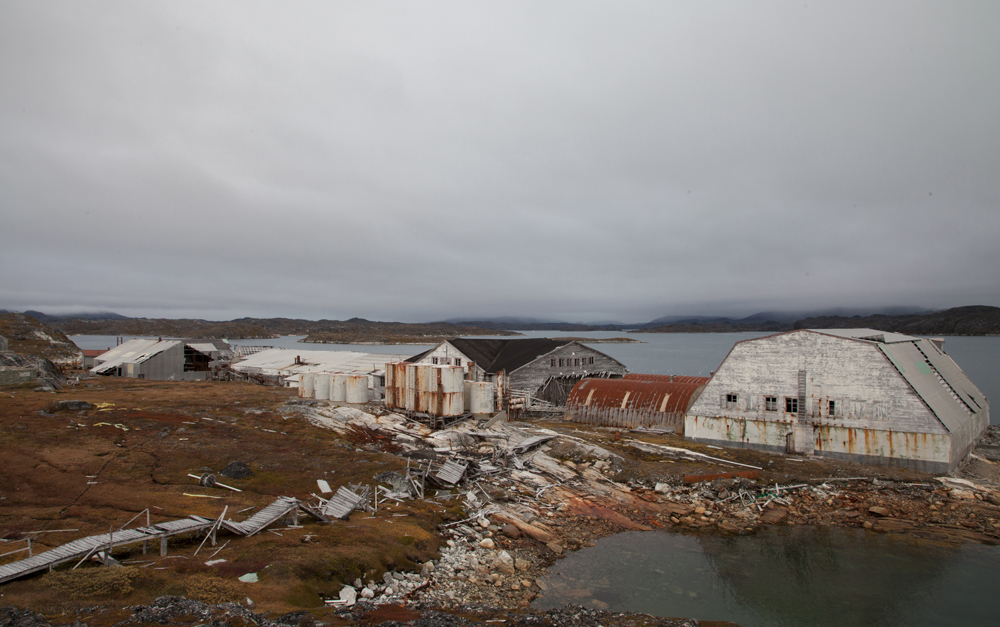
(638, 400)
(859, 395)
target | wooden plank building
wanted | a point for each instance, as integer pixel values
(542, 368)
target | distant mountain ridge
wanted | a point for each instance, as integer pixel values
(970, 320)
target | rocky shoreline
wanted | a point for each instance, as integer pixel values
(572, 491)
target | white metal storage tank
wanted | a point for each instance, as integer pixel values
(322, 385)
(338, 388)
(479, 396)
(307, 385)
(357, 389)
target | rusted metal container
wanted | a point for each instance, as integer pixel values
(307, 382)
(630, 403)
(425, 388)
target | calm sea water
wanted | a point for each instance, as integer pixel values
(785, 576)
(696, 354)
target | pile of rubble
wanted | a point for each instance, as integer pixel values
(532, 493)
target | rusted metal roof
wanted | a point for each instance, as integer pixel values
(633, 402)
(666, 378)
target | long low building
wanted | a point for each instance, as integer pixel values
(858, 395)
(289, 364)
(170, 360)
(651, 401)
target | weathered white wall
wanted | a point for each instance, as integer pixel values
(446, 354)
(878, 418)
(868, 391)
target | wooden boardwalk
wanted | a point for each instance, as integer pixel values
(78, 550)
(270, 514)
(342, 504)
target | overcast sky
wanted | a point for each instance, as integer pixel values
(419, 161)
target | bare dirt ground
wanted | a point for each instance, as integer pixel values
(85, 471)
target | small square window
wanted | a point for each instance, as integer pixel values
(770, 403)
(576, 362)
(458, 361)
(731, 401)
(791, 405)
(434, 360)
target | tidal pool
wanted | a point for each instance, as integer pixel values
(787, 576)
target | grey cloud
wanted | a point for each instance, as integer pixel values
(420, 161)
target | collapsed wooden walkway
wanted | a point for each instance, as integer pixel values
(83, 548)
(270, 514)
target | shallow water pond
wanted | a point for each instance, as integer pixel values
(787, 576)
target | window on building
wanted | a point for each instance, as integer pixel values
(552, 362)
(770, 403)
(560, 363)
(434, 360)
(591, 360)
(458, 361)
(832, 409)
(731, 400)
(791, 405)
(576, 362)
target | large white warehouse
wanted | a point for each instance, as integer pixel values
(859, 395)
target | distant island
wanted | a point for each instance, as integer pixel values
(971, 320)
(358, 331)
(601, 340)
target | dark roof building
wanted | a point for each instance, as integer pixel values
(533, 368)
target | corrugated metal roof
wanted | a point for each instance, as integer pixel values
(135, 351)
(282, 361)
(872, 335)
(953, 375)
(912, 364)
(636, 395)
(938, 380)
(204, 348)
